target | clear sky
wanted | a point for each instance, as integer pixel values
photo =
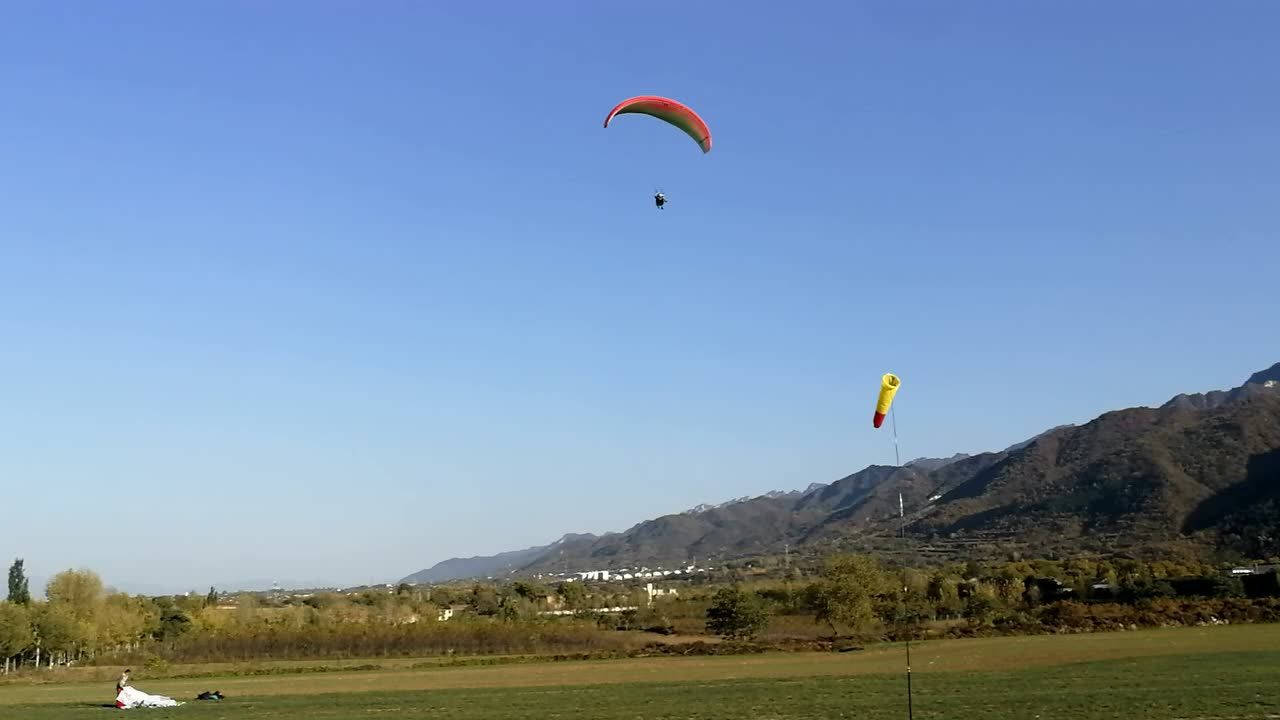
(330, 291)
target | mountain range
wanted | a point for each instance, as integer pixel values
(485, 566)
(1199, 474)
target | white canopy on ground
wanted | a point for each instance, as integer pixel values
(134, 698)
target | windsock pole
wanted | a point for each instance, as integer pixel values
(897, 459)
(889, 384)
(902, 528)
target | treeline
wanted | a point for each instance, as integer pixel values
(83, 622)
(78, 620)
(856, 595)
(284, 642)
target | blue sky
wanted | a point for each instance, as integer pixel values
(330, 291)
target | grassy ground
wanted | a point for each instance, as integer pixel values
(1219, 673)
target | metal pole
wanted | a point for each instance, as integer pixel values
(902, 532)
(902, 524)
(910, 715)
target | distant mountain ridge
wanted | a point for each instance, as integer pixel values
(1268, 378)
(931, 464)
(1259, 383)
(484, 566)
(772, 494)
(1203, 469)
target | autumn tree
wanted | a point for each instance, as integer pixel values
(80, 591)
(528, 590)
(121, 622)
(847, 592)
(735, 614)
(944, 593)
(484, 600)
(57, 632)
(573, 594)
(15, 631)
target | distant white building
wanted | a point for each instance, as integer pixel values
(652, 592)
(623, 574)
(449, 612)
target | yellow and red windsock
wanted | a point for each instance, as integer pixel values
(888, 388)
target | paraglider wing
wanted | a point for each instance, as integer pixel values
(668, 110)
(888, 388)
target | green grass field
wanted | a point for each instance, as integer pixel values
(1220, 673)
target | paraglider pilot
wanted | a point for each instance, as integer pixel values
(660, 200)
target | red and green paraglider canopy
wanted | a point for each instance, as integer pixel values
(671, 111)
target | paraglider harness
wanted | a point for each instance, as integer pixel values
(206, 695)
(660, 200)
